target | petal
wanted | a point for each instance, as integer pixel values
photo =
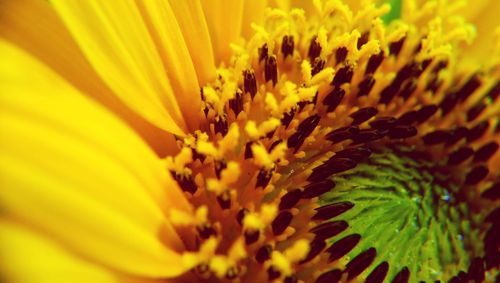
(191, 20)
(115, 40)
(167, 35)
(224, 19)
(71, 169)
(34, 26)
(253, 13)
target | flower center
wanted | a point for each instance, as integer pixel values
(308, 123)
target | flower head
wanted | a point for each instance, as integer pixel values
(246, 141)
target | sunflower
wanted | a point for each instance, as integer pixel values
(247, 141)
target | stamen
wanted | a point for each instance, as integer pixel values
(343, 246)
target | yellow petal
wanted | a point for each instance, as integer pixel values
(253, 12)
(115, 40)
(193, 25)
(167, 35)
(33, 25)
(70, 168)
(224, 19)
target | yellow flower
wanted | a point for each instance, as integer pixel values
(249, 141)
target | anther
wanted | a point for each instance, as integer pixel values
(493, 217)
(475, 111)
(224, 200)
(436, 137)
(333, 99)
(263, 178)
(343, 75)
(494, 92)
(263, 53)
(273, 273)
(476, 175)
(241, 215)
(388, 93)
(433, 84)
(367, 135)
(363, 114)
(274, 144)
(317, 66)
(357, 154)
(290, 199)
(332, 276)
(360, 263)
(424, 113)
(236, 104)
(486, 152)
(408, 88)
(271, 70)
(402, 132)
(251, 236)
(469, 87)
(374, 62)
(291, 279)
(457, 134)
(315, 247)
(343, 246)
(186, 182)
(363, 39)
(249, 82)
(314, 49)
(378, 274)
(439, 66)
(332, 166)
(332, 210)
(308, 125)
(493, 192)
(220, 125)
(287, 118)
(329, 229)
(460, 155)
(316, 189)
(287, 46)
(219, 165)
(342, 134)
(477, 131)
(263, 253)
(408, 118)
(403, 276)
(448, 102)
(476, 270)
(340, 54)
(248, 150)
(206, 230)
(281, 221)
(383, 123)
(232, 273)
(366, 85)
(396, 46)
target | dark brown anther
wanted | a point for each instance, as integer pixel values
(220, 125)
(224, 200)
(291, 279)
(460, 155)
(476, 270)
(486, 152)
(232, 273)
(287, 118)
(363, 115)
(403, 276)
(494, 217)
(439, 66)
(251, 236)
(263, 178)
(477, 131)
(475, 111)
(374, 62)
(236, 104)
(363, 39)
(315, 247)
(378, 274)
(331, 210)
(329, 229)
(408, 88)
(186, 182)
(219, 165)
(424, 113)
(343, 246)
(436, 137)
(433, 84)
(388, 93)
(318, 65)
(457, 134)
(314, 49)
(494, 92)
(308, 125)
(360, 263)
(273, 273)
(476, 175)
(366, 85)
(333, 99)
(455, 279)
(357, 154)
(241, 215)
(412, 69)
(281, 221)
(332, 166)
(402, 132)
(296, 140)
(249, 82)
(493, 192)
(468, 88)
(332, 276)
(287, 46)
(383, 123)
(271, 70)
(463, 276)
(426, 63)
(396, 46)
(367, 135)
(274, 144)
(340, 54)
(263, 253)
(248, 150)
(407, 118)
(343, 75)
(316, 189)
(290, 199)
(198, 156)
(342, 134)
(263, 53)
(448, 102)
(206, 230)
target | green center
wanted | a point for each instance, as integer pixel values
(410, 214)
